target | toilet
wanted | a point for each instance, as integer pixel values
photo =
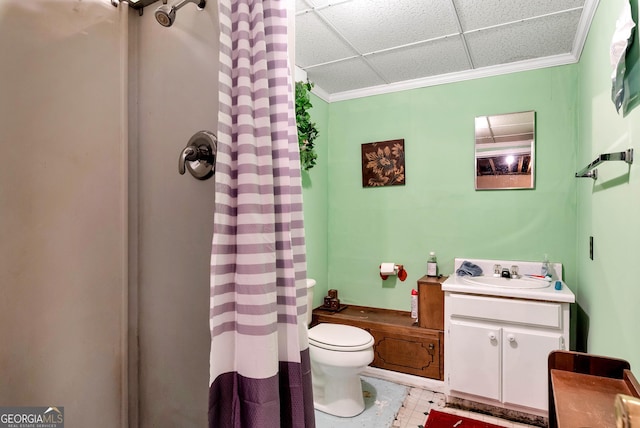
(338, 353)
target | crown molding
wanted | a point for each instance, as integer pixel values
(588, 12)
(321, 93)
(497, 70)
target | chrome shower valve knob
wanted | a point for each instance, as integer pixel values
(199, 156)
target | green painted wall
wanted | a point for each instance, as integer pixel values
(315, 194)
(608, 289)
(438, 208)
(350, 230)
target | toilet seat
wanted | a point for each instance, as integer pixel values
(339, 337)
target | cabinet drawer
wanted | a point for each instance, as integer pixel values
(543, 314)
(417, 355)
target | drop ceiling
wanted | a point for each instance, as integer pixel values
(355, 48)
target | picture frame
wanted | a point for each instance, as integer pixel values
(383, 163)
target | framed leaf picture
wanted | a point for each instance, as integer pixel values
(383, 164)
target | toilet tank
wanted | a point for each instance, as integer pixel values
(310, 284)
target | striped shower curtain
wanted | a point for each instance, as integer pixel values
(260, 374)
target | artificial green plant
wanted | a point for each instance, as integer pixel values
(307, 131)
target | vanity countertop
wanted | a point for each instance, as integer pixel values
(456, 284)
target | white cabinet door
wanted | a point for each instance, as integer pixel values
(475, 354)
(525, 354)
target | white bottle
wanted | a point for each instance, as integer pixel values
(432, 265)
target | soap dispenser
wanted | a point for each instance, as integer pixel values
(544, 271)
(432, 265)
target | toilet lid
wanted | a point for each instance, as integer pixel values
(340, 337)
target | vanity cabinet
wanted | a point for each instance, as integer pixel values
(497, 348)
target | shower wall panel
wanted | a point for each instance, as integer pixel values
(177, 95)
(63, 209)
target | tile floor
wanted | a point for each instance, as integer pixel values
(416, 406)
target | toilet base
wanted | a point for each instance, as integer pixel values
(335, 372)
(341, 397)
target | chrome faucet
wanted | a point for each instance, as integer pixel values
(513, 273)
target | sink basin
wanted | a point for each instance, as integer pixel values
(500, 282)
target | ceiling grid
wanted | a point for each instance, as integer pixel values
(355, 48)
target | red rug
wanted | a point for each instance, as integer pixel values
(438, 419)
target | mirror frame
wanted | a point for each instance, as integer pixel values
(505, 145)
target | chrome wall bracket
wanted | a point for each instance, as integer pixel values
(590, 170)
(138, 5)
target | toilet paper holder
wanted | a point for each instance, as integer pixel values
(387, 269)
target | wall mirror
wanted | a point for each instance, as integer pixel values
(505, 151)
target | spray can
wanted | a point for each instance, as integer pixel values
(414, 305)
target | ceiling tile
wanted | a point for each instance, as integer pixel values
(323, 3)
(476, 14)
(429, 59)
(371, 25)
(408, 40)
(301, 5)
(354, 74)
(309, 51)
(551, 35)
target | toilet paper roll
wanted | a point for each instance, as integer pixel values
(388, 269)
